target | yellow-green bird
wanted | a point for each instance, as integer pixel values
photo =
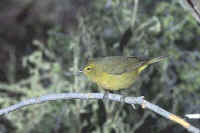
(116, 72)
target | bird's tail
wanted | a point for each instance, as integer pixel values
(157, 59)
(151, 61)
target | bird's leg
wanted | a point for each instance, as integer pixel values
(122, 98)
(106, 93)
(105, 96)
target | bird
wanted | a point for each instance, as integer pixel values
(113, 73)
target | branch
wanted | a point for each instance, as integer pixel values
(193, 116)
(112, 97)
(193, 6)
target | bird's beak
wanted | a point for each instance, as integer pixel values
(78, 73)
(81, 69)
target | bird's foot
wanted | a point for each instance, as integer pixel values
(105, 96)
(122, 99)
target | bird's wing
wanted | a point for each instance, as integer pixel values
(121, 65)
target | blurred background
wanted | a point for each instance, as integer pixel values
(43, 44)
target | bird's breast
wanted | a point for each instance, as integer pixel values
(116, 82)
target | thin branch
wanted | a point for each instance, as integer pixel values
(193, 116)
(112, 97)
(134, 14)
(193, 6)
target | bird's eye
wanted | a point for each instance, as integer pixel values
(88, 68)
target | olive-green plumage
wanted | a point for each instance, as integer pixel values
(116, 72)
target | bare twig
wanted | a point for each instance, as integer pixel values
(193, 116)
(112, 97)
(193, 6)
(134, 14)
